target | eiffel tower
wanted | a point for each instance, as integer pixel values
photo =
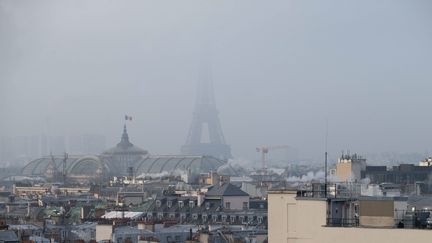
(205, 116)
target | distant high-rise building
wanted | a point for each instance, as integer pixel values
(86, 144)
(34, 147)
(57, 144)
(75, 145)
(205, 135)
(19, 149)
(26, 147)
(6, 150)
(93, 143)
(44, 146)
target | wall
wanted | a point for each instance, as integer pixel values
(236, 201)
(377, 222)
(103, 232)
(349, 171)
(343, 171)
(377, 213)
(302, 221)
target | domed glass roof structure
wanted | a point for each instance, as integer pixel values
(170, 163)
(74, 165)
(124, 155)
(40, 166)
(118, 161)
(125, 147)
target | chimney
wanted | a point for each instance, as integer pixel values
(146, 226)
(200, 199)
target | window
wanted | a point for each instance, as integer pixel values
(160, 216)
(191, 204)
(207, 205)
(245, 205)
(195, 216)
(204, 217)
(169, 204)
(172, 216)
(158, 203)
(260, 219)
(227, 205)
(224, 217)
(181, 204)
(214, 217)
(232, 218)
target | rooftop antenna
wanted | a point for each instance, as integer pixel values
(325, 161)
(65, 158)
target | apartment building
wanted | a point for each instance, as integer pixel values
(301, 217)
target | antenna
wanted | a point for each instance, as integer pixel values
(66, 156)
(325, 160)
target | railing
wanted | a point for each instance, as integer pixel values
(413, 219)
(340, 222)
(331, 190)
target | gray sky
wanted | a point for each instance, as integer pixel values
(280, 70)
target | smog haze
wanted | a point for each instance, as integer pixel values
(281, 71)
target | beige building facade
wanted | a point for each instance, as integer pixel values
(349, 168)
(295, 219)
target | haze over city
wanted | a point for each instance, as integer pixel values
(281, 71)
(215, 121)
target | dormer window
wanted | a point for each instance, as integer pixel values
(158, 203)
(181, 204)
(245, 205)
(169, 204)
(207, 205)
(227, 205)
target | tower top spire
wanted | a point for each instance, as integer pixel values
(124, 139)
(205, 90)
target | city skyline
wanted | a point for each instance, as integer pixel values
(215, 121)
(310, 68)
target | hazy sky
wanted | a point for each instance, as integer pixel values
(280, 70)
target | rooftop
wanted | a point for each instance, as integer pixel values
(226, 189)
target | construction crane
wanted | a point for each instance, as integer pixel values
(264, 150)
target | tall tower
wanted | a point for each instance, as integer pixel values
(205, 119)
